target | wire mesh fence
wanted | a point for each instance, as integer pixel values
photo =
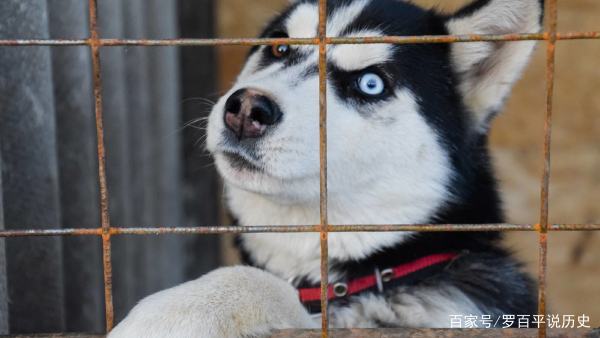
(107, 230)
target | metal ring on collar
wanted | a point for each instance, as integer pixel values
(340, 289)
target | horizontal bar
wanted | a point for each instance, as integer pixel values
(460, 38)
(295, 228)
(56, 335)
(51, 232)
(303, 41)
(160, 42)
(43, 42)
(437, 333)
(387, 333)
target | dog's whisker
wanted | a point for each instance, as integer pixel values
(200, 141)
(199, 99)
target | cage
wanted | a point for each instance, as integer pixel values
(107, 231)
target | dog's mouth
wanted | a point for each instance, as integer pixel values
(239, 162)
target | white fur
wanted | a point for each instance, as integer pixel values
(489, 70)
(405, 190)
(243, 301)
(344, 16)
(226, 303)
(361, 56)
(423, 307)
(303, 22)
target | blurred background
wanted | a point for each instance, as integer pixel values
(159, 174)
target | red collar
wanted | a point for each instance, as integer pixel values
(376, 280)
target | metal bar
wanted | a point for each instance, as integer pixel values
(460, 38)
(56, 335)
(161, 42)
(104, 213)
(42, 42)
(438, 333)
(201, 230)
(552, 14)
(542, 265)
(302, 41)
(387, 333)
(324, 226)
(550, 65)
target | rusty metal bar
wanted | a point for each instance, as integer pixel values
(550, 71)
(201, 230)
(387, 333)
(161, 42)
(324, 226)
(542, 266)
(552, 19)
(56, 335)
(460, 38)
(104, 213)
(42, 42)
(50, 232)
(301, 41)
(439, 333)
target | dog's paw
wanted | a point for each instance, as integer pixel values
(228, 302)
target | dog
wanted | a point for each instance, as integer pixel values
(407, 134)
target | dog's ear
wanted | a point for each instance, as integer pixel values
(487, 70)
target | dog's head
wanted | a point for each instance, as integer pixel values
(401, 119)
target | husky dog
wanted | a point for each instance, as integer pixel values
(407, 138)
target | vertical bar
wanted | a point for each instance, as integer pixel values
(104, 215)
(543, 228)
(116, 132)
(323, 162)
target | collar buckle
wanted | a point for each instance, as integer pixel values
(387, 275)
(383, 277)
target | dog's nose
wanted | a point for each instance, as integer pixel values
(249, 113)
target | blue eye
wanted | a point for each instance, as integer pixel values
(371, 84)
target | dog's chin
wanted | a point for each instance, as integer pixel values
(239, 172)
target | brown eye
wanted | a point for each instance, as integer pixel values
(280, 51)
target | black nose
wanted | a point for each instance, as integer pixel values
(249, 113)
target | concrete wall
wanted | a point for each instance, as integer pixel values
(30, 196)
